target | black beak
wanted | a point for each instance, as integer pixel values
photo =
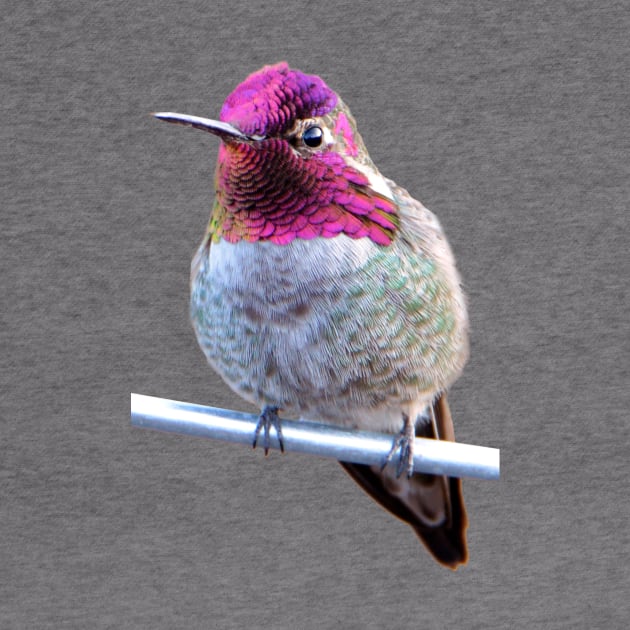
(224, 130)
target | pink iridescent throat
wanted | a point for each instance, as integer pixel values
(267, 192)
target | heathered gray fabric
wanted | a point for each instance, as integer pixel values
(509, 120)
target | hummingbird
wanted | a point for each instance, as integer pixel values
(322, 290)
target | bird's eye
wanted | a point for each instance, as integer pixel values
(313, 137)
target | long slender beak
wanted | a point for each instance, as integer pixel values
(218, 128)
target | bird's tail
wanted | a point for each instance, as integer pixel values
(433, 505)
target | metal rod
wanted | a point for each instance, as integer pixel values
(432, 456)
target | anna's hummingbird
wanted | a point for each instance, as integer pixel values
(323, 290)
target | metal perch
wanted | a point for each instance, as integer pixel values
(430, 456)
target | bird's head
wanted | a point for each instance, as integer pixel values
(292, 164)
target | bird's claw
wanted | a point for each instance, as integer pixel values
(403, 442)
(267, 419)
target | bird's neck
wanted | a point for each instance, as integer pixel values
(269, 192)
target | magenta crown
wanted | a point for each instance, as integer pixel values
(269, 100)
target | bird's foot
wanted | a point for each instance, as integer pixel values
(267, 419)
(403, 442)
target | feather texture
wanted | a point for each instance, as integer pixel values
(325, 290)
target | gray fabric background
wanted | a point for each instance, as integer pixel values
(509, 120)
